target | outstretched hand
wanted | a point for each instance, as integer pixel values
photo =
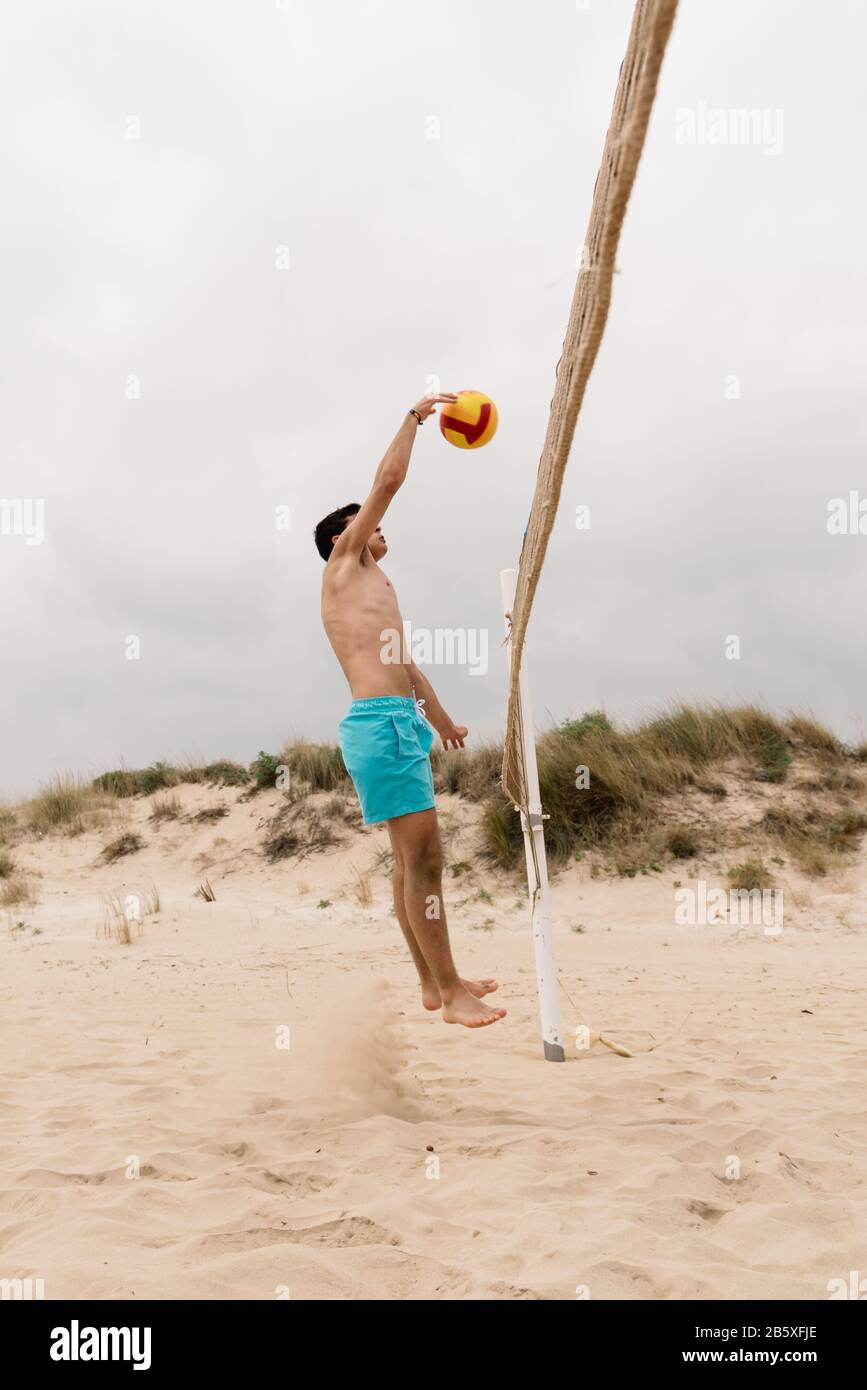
(453, 735)
(425, 406)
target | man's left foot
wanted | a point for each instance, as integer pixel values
(430, 995)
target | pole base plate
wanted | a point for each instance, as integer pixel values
(554, 1052)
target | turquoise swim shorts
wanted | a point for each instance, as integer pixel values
(385, 744)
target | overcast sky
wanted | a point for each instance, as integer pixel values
(168, 382)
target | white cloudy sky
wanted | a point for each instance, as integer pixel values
(306, 125)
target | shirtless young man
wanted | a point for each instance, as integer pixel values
(385, 739)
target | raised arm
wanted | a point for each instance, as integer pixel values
(390, 475)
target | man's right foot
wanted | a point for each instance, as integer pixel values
(463, 1007)
(430, 995)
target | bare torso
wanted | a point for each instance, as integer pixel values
(359, 610)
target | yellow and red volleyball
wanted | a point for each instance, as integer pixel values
(470, 421)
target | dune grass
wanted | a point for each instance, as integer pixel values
(65, 804)
(602, 787)
(312, 767)
(816, 840)
(470, 772)
(319, 766)
(161, 776)
(811, 734)
(599, 784)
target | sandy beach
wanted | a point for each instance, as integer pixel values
(248, 1101)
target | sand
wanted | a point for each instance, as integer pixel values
(248, 1101)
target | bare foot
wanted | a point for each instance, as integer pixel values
(465, 1008)
(430, 995)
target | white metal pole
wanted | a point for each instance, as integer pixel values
(534, 840)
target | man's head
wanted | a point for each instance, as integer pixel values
(333, 525)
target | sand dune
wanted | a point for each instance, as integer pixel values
(159, 1139)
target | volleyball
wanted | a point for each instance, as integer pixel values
(470, 421)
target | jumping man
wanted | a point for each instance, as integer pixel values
(385, 738)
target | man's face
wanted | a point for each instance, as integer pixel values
(377, 545)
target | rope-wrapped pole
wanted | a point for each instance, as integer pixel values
(633, 102)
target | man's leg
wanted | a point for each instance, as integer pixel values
(430, 995)
(418, 869)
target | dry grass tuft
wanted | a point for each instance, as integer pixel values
(750, 876)
(18, 890)
(319, 765)
(470, 772)
(127, 843)
(209, 815)
(363, 889)
(151, 901)
(121, 917)
(65, 804)
(166, 808)
(342, 808)
(682, 842)
(297, 831)
(816, 839)
(813, 735)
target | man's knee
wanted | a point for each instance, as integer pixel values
(427, 857)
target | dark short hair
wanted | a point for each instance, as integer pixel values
(334, 525)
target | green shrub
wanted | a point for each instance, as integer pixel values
(577, 728)
(157, 776)
(775, 757)
(226, 774)
(121, 782)
(264, 769)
